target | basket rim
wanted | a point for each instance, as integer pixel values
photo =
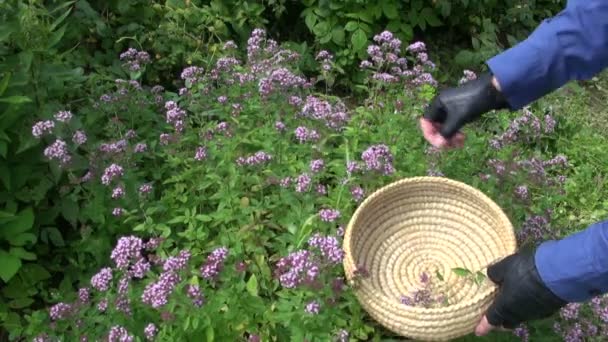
(510, 244)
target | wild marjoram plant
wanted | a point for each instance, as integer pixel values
(249, 177)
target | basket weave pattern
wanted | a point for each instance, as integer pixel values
(425, 224)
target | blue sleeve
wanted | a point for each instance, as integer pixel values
(576, 267)
(573, 45)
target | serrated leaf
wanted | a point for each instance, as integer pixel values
(22, 223)
(9, 266)
(310, 20)
(252, 285)
(359, 39)
(33, 273)
(69, 210)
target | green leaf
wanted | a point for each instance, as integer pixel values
(33, 273)
(21, 253)
(359, 39)
(439, 275)
(311, 20)
(16, 99)
(252, 285)
(56, 37)
(3, 148)
(20, 303)
(60, 19)
(338, 36)
(22, 239)
(55, 236)
(389, 8)
(321, 29)
(69, 210)
(5, 176)
(210, 333)
(22, 223)
(6, 30)
(430, 17)
(4, 82)
(463, 272)
(351, 26)
(9, 266)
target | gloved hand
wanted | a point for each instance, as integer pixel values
(522, 294)
(454, 107)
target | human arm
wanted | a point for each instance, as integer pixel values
(571, 45)
(536, 284)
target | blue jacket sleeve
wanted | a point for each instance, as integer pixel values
(573, 45)
(576, 267)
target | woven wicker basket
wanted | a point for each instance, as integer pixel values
(427, 225)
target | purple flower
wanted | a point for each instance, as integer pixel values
(128, 248)
(296, 268)
(378, 158)
(313, 307)
(342, 336)
(111, 172)
(304, 134)
(222, 99)
(139, 269)
(176, 263)
(316, 165)
(214, 263)
(417, 47)
(59, 151)
(358, 193)
(194, 292)
(83, 295)
(60, 311)
(285, 182)
(279, 126)
(321, 189)
(145, 188)
(63, 116)
(549, 124)
(119, 334)
(150, 331)
(140, 147)
(192, 73)
(101, 281)
(165, 139)
(258, 158)
(118, 192)
(42, 127)
(156, 294)
(79, 138)
(570, 311)
(103, 305)
(328, 246)
(118, 211)
(522, 192)
(329, 215)
(229, 45)
(522, 333)
(201, 153)
(303, 183)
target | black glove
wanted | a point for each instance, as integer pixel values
(455, 107)
(522, 296)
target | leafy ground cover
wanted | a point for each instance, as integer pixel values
(230, 194)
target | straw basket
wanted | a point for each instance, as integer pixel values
(426, 225)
